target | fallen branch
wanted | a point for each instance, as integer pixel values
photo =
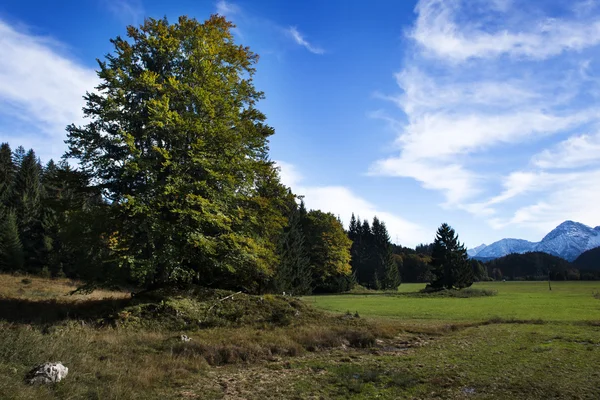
(220, 300)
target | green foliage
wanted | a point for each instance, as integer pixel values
(531, 266)
(27, 201)
(11, 249)
(7, 175)
(74, 217)
(588, 263)
(479, 270)
(329, 250)
(373, 260)
(415, 267)
(385, 264)
(180, 151)
(294, 274)
(450, 261)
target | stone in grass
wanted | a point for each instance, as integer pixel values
(185, 338)
(47, 373)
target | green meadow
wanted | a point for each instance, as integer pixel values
(568, 301)
(524, 342)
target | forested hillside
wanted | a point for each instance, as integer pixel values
(532, 266)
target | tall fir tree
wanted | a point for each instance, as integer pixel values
(27, 194)
(18, 156)
(294, 274)
(386, 267)
(7, 176)
(450, 261)
(362, 254)
(11, 250)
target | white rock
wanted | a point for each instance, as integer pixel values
(47, 373)
(185, 338)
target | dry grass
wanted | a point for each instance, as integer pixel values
(40, 321)
(35, 288)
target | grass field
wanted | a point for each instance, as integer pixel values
(523, 343)
(568, 301)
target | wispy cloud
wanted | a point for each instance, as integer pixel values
(227, 8)
(341, 201)
(576, 151)
(476, 94)
(41, 91)
(299, 39)
(128, 11)
(440, 34)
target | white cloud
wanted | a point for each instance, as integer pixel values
(227, 8)
(289, 174)
(576, 151)
(440, 34)
(452, 179)
(342, 202)
(41, 91)
(487, 90)
(299, 39)
(566, 196)
(128, 11)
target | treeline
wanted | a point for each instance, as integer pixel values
(540, 266)
(41, 207)
(53, 224)
(57, 221)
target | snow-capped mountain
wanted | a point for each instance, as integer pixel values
(473, 252)
(506, 246)
(568, 240)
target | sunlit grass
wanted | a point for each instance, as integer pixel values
(567, 302)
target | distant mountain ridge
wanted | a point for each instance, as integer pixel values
(473, 252)
(568, 240)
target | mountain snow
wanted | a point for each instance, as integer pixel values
(506, 246)
(568, 240)
(473, 252)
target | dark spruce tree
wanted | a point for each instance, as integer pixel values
(451, 267)
(11, 250)
(7, 176)
(294, 274)
(27, 195)
(18, 156)
(386, 274)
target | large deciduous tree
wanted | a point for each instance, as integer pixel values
(451, 267)
(177, 145)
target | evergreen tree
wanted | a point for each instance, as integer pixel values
(28, 192)
(361, 253)
(294, 274)
(18, 156)
(386, 264)
(353, 228)
(450, 261)
(11, 250)
(7, 175)
(479, 270)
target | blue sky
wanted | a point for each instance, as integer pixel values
(479, 113)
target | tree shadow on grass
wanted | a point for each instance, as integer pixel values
(43, 312)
